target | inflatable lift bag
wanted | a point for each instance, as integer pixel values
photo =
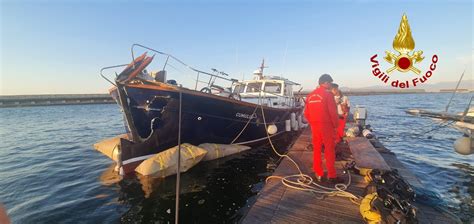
(165, 163)
(216, 151)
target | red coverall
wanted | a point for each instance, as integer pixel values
(321, 113)
(340, 128)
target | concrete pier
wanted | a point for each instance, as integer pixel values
(50, 100)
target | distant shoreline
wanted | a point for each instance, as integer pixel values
(78, 99)
(54, 99)
(384, 92)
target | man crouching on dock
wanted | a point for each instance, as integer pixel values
(321, 114)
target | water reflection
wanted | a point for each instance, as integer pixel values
(109, 176)
(221, 190)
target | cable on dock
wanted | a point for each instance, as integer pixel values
(305, 182)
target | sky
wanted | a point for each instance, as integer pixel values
(59, 47)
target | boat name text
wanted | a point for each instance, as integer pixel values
(247, 116)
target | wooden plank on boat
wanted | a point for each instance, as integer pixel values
(365, 155)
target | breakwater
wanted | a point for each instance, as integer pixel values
(49, 100)
(72, 99)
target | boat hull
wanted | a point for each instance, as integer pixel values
(152, 117)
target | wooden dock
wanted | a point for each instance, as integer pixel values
(277, 203)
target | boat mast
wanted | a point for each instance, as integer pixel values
(258, 74)
(262, 66)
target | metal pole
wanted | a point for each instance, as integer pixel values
(467, 108)
(197, 80)
(455, 90)
(179, 161)
(166, 62)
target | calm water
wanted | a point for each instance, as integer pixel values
(50, 173)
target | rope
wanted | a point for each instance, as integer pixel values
(216, 150)
(305, 182)
(178, 173)
(190, 151)
(454, 92)
(423, 133)
(243, 129)
(443, 125)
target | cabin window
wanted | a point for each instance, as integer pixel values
(272, 87)
(239, 88)
(254, 87)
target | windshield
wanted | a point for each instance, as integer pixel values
(239, 88)
(272, 87)
(254, 87)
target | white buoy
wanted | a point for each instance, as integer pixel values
(367, 133)
(287, 125)
(293, 121)
(272, 129)
(300, 121)
(463, 146)
(353, 132)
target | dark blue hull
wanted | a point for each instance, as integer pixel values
(152, 114)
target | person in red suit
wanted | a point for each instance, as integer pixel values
(321, 113)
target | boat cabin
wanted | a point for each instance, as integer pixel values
(269, 91)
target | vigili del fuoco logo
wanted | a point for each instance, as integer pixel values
(404, 61)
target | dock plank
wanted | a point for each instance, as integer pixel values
(278, 204)
(365, 155)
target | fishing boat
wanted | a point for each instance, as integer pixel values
(160, 112)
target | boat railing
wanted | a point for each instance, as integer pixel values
(212, 76)
(110, 67)
(209, 83)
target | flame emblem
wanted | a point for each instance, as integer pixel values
(404, 44)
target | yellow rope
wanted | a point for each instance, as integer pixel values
(190, 151)
(162, 163)
(162, 166)
(216, 149)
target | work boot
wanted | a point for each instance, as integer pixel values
(336, 180)
(318, 178)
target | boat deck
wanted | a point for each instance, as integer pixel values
(277, 203)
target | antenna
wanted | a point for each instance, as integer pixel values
(262, 66)
(284, 58)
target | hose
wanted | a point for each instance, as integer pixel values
(366, 211)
